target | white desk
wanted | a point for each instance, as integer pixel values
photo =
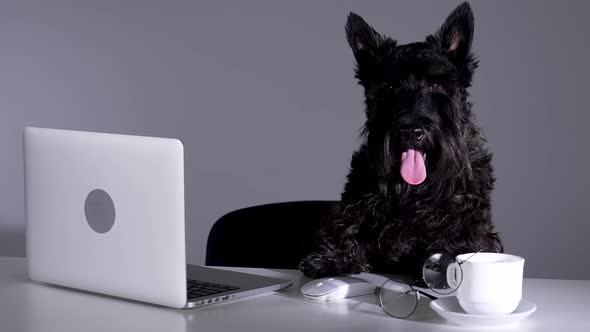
(563, 305)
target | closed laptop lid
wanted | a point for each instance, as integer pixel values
(105, 213)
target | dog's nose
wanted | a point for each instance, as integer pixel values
(413, 135)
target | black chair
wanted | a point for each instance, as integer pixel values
(266, 236)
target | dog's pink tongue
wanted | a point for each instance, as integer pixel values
(413, 169)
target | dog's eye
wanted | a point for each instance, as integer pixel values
(435, 87)
(393, 88)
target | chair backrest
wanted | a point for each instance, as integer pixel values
(268, 236)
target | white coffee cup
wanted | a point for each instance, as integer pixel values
(491, 283)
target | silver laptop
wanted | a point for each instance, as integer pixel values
(105, 213)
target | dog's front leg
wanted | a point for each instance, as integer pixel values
(336, 255)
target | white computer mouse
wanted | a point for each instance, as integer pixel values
(328, 289)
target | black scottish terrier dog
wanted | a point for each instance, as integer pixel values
(421, 181)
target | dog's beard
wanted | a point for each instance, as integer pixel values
(388, 157)
(381, 155)
(453, 160)
(446, 158)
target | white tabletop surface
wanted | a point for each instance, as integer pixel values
(562, 305)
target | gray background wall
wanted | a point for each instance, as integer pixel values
(263, 96)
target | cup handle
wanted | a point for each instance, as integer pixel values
(453, 275)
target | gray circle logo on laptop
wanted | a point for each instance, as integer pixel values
(100, 211)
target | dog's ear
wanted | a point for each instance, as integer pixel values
(455, 36)
(363, 39)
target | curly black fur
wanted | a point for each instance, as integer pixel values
(384, 224)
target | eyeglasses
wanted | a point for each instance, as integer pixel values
(441, 273)
(399, 298)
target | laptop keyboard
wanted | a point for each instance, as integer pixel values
(196, 289)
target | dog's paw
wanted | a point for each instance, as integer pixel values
(319, 265)
(314, 266)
